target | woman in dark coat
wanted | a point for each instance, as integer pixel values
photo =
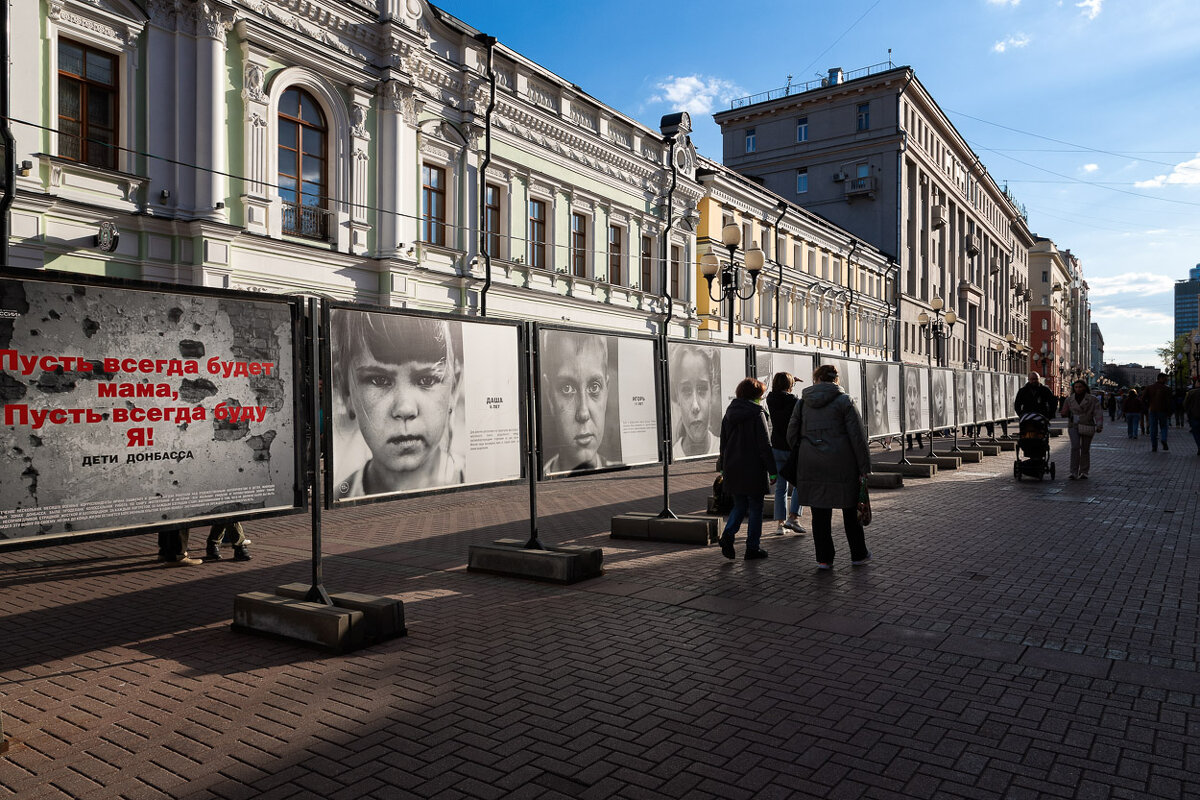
(746, 464)
(834, 460)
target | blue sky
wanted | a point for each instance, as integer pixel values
(1090, 111)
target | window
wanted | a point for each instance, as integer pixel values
(614, 254)
(87, 105)
(579, 245)
(647, 283)
(1045, 324)
(751, 139)
(302, 136)
(802, 129)
(537, 234)
(1045, 276)
(491, 220)
(801, 181)
(862, 170)
(676, 269)
(433, 204)
(864, 117)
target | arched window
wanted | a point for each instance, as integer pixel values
(302, 165)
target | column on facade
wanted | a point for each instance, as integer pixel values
(162, 50)
(352, 233)
(256, 157)
(209, 93)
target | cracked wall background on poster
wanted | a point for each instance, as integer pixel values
(163, 444)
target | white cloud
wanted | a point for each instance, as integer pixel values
(1018, 40)
(1139, 316)
(1186, 173)
(1090, 167)
(1140, 284)
(695, 94)
(1091, 8)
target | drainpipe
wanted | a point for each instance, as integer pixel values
(779, 259)
(490, 43)
(850, 286)
(10, 144)
(666, 246)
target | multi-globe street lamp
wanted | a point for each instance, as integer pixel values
(940, 326)
(710, 265)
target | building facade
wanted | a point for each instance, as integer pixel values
(821, 289)
(1096, 361)
(1187, 303)
(873, 153)
(346, 149)
(1049, 341)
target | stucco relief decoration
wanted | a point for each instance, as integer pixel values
(314, 29)
(257, 120)
(504, 78)
(621, 136)
(254, 84)
(543, 96)
(212, 22)
(435, 150)
(584, 116)
(162, 12)
(83, 23)
(358, 122)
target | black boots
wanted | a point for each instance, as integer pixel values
(213, 552)
(240, 553)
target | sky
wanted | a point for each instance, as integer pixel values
(1089, 111)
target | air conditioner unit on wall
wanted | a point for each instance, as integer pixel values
(840, 177)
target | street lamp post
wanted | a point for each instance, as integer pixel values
(710, 265)
(1045, 357)
(940, 326)
(1010, 350)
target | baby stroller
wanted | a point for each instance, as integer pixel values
(1034, 443)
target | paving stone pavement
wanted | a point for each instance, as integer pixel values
(1009, 640)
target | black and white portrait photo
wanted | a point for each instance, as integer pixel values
(849, 378)
(702, 380)
(962, 399)
(939, 399)
(413, 407)
(982, 400)
(998, 403)
(916, 399)
(596, 400)
(882, 399)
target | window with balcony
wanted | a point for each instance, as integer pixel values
(579, 245)
(87, 105)
(302, 164)
(433, 204)
(537, 234)
(864, 117)
(802, 129)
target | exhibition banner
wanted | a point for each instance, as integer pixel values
(941, 399)
(981, 397)
(916, 399)
(597, 400)
(798, 365)
(882, 399)
(701, 380)
(999, 404)
(134, 406)
(420, 403)
(849, 377)
(964, 412)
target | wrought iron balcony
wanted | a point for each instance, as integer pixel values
(304, 220)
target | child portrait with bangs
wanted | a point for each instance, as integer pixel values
(397, 380)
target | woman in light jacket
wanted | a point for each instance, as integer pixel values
(1082, 409)
(834, 460)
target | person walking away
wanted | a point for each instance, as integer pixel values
(230, 533)
(780, 405)
(1191, 409)
(1157, 397)
(1034, 398)
(747, 466)
(1114, 401)
(834, 461)
(1086, 419)
(1133, 413)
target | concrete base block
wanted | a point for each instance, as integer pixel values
(907, 470)
(383, 617)
(337, 629)
(1005, 444)
(682, 530)
(987, 448)
(554, 564)
(942, 462)
(885, 480)
(967, 456)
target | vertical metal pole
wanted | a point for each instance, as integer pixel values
(10, 144)
(531, 450)
(490, 43)
(317, 593)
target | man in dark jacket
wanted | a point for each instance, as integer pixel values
(747, 466)
(1034, 398)
(1191, 409)
(1157, 397)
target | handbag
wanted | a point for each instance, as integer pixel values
(864, 504)
(791, 466)
(1086, 430)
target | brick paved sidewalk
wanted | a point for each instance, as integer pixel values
(1009, 640)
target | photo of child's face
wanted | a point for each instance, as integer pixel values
(576, 373)
(402, 411)
(694, 395)
(912, 398)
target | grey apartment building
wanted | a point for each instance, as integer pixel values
(872, 152)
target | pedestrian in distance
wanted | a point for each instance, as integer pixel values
(1191, 409)
(1157, 398)
(833, 464)
(1086, 419)
(1133, 413)
(747, 466)
(780, 405)
(1034, 398)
